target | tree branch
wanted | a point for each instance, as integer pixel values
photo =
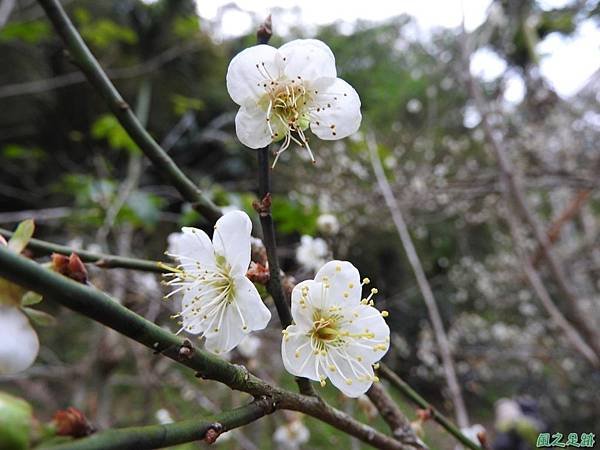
(98, 79)
(159, 436)
(388, 374)
(102, 308)
(102, 260)
(537, 285)
(397, 421)
(426, 292)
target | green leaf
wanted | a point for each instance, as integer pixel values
(29, 32)
(292, 216)
(31, 298)
(40, 318)
(22, 235)
(182, 104)
(108, 127)
(142, 209)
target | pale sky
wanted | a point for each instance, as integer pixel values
(567, 63)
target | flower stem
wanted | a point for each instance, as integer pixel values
(159, 436)
(85, 60)
(102, 260)
(268, 228)
(387, 373)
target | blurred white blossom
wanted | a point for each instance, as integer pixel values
(312, 252)
(328, 224)
(19, 344)
(291, 435)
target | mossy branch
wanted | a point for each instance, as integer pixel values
(160, 436)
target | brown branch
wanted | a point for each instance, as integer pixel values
(553, 232)
(397, 421)
(413, 258)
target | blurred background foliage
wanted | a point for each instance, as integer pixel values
(66, 162)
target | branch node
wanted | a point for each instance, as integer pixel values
(263, 207)
(213, 432)
(123, 105)
(186, 351)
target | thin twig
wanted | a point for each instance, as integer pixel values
(102, 260)
(388, 374)
(263, 207)
(536, 283)
(72, 78)
(159, 436)
(563, 218)
(434, 314)
(88, 64)
(397, 421)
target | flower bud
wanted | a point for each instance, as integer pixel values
(72, 422)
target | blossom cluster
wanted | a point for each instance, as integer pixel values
(337, 334)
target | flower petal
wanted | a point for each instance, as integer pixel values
(297, 354)
(245, 81)
(302, 314)
(344, 281)
(307, 58)
(249, 304)
(251, 127)
(192, 311)
(369, 320)
(336, 109)
(350, 376)
(191, 247)
(19, 344)
(226, 332)
(231, 239)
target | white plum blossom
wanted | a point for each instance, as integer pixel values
(219, 302)
(328, 224)
(312, 252)
(163, 416)
(282, 92)
(291, 435)
(335, 334)
(19, 344)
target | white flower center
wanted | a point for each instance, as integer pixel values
(287, 108)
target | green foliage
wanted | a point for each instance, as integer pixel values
(14, 151)
(16, 421)
(183, 104)
(293, 217)
(31, 32)
(22, 236)
(108, 127)
(31, 298)
(142, 209)
(186, 26)
(103, 32)
(40, 318)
